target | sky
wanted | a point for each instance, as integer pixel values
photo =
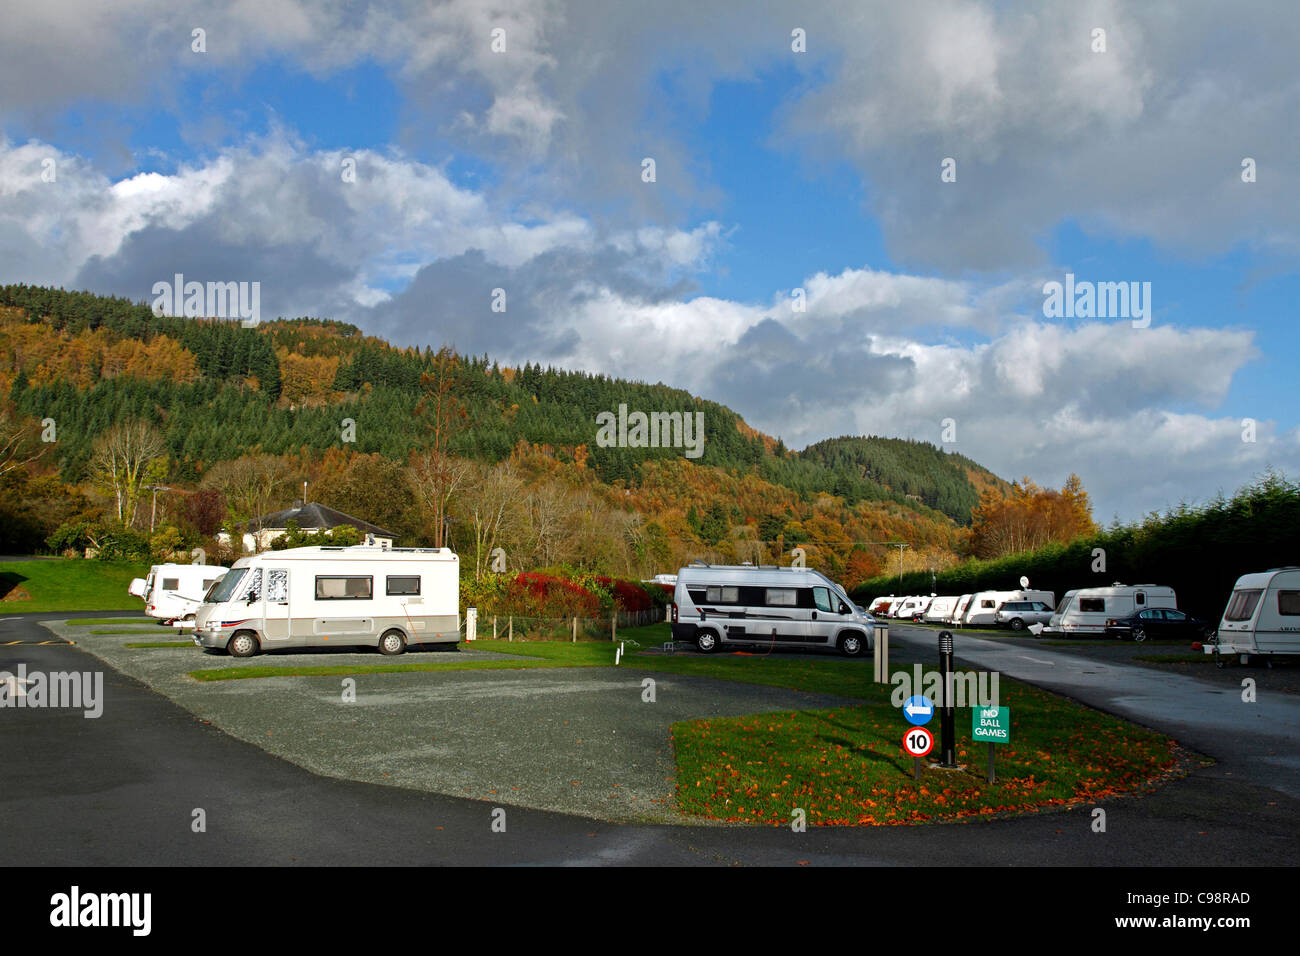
(855, 210)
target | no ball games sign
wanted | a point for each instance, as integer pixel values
(990, 725)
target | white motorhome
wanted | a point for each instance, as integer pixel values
(1262, 617)
(983, 608)
(318, 596)
(1086, 610)
(940, 609)
(173, 592)
(791, 607)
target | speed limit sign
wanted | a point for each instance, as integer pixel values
(918, 741)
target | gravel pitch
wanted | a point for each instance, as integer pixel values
(574, 740)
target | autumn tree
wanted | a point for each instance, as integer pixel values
(1030, 518)
(253, 487)
(18, 444)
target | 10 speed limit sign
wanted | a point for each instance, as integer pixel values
(918, 741)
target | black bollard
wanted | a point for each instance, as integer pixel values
(947, 715)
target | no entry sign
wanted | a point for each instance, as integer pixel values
(918, 741)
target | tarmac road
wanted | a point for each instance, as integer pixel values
(121, 789)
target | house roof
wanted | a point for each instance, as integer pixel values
(317, 517)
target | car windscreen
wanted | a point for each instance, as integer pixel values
(225, 588)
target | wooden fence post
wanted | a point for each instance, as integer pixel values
(510, 625)
(613, 627)
(575, 630)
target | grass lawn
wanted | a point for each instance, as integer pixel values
(1175, 658)
(123, 630)
(68, 584)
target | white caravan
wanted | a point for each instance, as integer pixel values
(940, 609)
(792, 607)
(1086, 610)
(173, 592)
(319, 596)
(1262, 617)
(881, 605)
(959, 609)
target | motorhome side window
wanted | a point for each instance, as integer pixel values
(403, 584)
(782, 597)
(723, 595)
(822, 598)
(1288, 603)
(171, 584)
(253, 588)
(277, 585)
(344, 587)
(1242, 606)
(1092, 604)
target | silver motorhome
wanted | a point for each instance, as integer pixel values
(316, 596)
(744, 604)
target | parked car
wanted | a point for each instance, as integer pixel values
(1018, 614)
(1157, 623)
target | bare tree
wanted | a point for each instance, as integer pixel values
(125, 458)
(252, 486)
(435, 477)
(490, 505)
(18, 448)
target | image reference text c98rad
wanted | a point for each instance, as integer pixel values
(788, 607)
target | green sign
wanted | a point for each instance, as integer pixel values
(990, 725)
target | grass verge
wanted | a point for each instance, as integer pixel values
(160, 644)
(68, 584)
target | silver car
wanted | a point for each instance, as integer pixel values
(1017, 615)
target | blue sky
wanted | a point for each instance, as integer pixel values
(775, 170)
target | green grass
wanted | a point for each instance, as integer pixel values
(1176, 658)
(846, 766)
(122, 630)
(69, 584)
(161, 644)
(99, 621)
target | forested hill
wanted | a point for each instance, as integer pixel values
(220, 391)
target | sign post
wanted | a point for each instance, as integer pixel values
(991, 725)
(918, 742)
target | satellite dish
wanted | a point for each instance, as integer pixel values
(1024, 582)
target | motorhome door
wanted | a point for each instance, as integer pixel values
(275, 606)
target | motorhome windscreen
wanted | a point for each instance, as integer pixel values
(1241, 607)
(224, 589)
(210, 590)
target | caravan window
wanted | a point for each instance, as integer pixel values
(783, 597)
(171, 584)
(1092, 604)
(403, 584)
(341, 588)
(1288, 603)
(723, 595)
(1242, 605)
(1140, 598)
(986, 602)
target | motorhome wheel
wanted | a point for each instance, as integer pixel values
(243, 644)
(393, 642)
(706, 641)
(851, 645)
